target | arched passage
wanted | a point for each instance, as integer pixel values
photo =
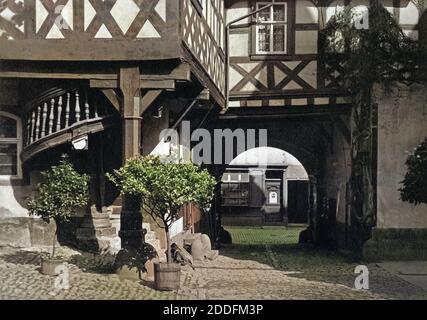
(265, 185)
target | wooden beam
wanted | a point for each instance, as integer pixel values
(205, 95)
(284, 112)
(158, 84)
(103, 84)
(131, 220)
(144, 84)
(112, 97)
(149, 99)
(180, 73)
(56, 75)
(129, 109)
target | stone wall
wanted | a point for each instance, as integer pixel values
(26, 232)
(17, 229)
(12, 193)
(336, 176)
(402, 125)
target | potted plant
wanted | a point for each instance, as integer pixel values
(60, 193)
(164, 187)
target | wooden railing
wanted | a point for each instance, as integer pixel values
(57, 112)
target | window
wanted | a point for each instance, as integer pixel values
(235, 188)
(271, 29)
(235, 194)
(10, 145)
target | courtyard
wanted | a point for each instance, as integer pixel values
(262, 263)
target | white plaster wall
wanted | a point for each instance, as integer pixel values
(306, 12)
(12, 201)
(306, 42)
(237, 10)
(240, 45)
(12, 195)
(402, 125)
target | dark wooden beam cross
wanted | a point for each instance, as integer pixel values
(148, 13)
(113, 97)
(53, 15)
(103, 16)
(148, 99)
(11, 28)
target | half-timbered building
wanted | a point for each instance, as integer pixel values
(100, 79)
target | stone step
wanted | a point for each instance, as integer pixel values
(89, 233)
(150, 236)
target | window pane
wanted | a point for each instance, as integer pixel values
(279, 38)
(279, 13)
(7, 127)
(264, 38)
(8, 159)
(264, 15)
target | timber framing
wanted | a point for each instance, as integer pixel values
(284, 112)
(33, 34)
(176, 71)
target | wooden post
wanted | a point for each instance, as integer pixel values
(131, 232)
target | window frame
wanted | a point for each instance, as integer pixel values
(18, 141)
(286, 23)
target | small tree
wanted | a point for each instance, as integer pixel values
(164, 187)
(61, 192)
(414, 188)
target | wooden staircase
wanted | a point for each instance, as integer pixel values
(60, 115)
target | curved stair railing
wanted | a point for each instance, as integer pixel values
(59, 116)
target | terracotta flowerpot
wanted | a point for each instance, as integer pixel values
(167, 276)
(48, 266)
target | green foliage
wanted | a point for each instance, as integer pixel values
(381, 53)
(164, 186)
(62, 191)
(414, 188)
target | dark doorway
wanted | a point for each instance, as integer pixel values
(298, 201)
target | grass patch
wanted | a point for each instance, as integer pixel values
(267, 235)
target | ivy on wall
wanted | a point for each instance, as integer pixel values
(383, 54)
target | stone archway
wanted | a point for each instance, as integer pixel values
(255, 188)
(322, 147)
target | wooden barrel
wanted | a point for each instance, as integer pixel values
(167, 276)
(49, 266)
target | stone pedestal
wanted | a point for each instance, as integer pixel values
(96, 232)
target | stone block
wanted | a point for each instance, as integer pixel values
(15, 232)
(41, 232)
(396, 244)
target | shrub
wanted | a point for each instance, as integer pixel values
(164, 187)
(414, 188)
(61, 192)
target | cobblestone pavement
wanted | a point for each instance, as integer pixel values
(242, 271)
